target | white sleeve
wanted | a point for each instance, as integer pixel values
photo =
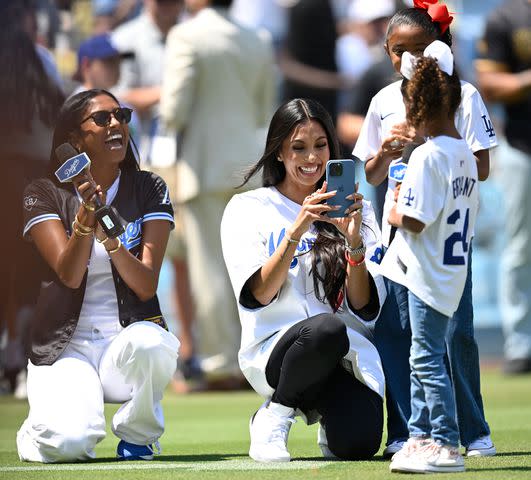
(372, 238)
(473, 121)
(242, 242)
(370, 138)
(423, 190)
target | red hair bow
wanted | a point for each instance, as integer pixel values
(438, 13)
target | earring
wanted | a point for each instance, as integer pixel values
(279, 159)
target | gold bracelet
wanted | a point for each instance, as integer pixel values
(117, 248)
(106, 239)
(79, 233)
(83, 227)
(88, 206)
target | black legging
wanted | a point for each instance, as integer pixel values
(305, 371)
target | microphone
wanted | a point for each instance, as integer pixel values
(73, 164)
(397, 172)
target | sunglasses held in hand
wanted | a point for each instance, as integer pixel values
(103, 117)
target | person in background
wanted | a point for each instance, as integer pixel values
(380, 144)
(305, 285)
(140, 84)
(108, 14)
(504, 76)
(98, 334)
(217, 95)
(31, 99)
(308, 62)
(141, 74)
(98, 64)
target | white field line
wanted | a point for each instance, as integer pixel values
(190, 466)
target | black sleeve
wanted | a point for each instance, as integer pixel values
(369, 311)
(157, 204)
(39, 204)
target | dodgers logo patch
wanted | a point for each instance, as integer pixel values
(29, 202)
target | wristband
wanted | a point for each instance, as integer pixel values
(353, 262)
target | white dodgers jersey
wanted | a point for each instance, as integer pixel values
(440, 189)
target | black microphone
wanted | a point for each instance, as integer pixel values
(74, 163)
(397, 172)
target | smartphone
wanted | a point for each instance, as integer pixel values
(340, 176)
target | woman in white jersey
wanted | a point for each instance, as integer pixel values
(98, 334)
(435, 213)
(380, 144)
(306, 285)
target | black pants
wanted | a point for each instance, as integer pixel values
(305, 371)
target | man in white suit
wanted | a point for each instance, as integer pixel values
(217, 93)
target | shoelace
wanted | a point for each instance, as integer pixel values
(281, 428)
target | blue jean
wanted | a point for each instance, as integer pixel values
(432, 397)
(393, 341)
(392, 336)
(514, 176)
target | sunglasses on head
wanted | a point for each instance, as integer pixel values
(103, 117)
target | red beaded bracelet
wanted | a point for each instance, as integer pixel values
(353, 262)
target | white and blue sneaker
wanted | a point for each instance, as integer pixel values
(130, 451)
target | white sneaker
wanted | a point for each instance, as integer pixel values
(412, 445)
(322, 441)
(444, 458)
(393, 448)
(269, 435)
(431, 457)
(482, 447)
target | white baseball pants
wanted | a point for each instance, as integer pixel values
(130, 366)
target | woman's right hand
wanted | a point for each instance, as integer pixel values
(313, 207)
(88, 189)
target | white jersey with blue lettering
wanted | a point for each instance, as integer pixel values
(253, 226)
(440, 189)
(387, 109)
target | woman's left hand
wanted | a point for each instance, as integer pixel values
(350, 225)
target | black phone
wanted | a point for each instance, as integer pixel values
(340, 176)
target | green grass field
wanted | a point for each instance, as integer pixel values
(207, 438)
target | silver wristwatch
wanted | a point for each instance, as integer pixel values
(360, 250)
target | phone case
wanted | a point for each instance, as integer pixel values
(344, 183)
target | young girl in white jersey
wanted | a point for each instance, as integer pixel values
(380, 144)
(435, 214)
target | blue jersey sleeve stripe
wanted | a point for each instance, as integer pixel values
(158, 216)
(39, 219)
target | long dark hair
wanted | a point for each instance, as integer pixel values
(418, 17)
(328, 251)
(26, 91)
(69, 121)
(428, 90)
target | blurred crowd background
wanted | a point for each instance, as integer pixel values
(120, 45)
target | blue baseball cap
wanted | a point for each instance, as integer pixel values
(97, 47)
